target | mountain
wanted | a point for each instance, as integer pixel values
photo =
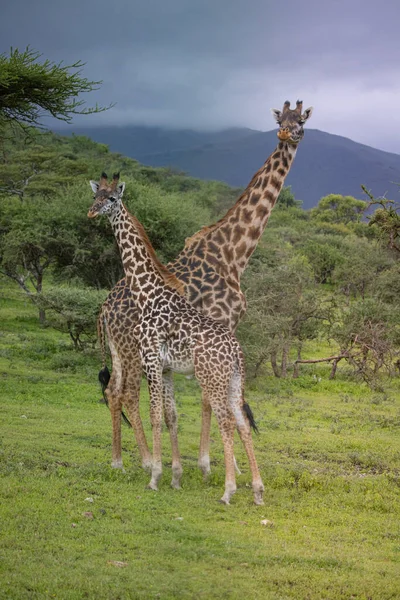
(324, 164)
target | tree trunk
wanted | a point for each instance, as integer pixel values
(295, 370)
(296, 364)
(333, 370)
(274, 365)
(39, 287)
(258, 365)
(285, 354)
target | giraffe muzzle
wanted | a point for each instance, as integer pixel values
(284, 134)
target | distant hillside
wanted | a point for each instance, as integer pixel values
(324, 164)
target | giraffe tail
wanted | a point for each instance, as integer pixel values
(249, 414)
(104, 373)
(246, 408)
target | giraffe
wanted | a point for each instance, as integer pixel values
(210, 268)
(174, 336)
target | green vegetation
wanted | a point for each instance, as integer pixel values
(319, 287)
(323, 275)
(329, 454)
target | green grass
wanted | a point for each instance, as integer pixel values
(329, 453)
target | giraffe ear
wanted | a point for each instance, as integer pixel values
(121, 188)
(277, 114)
(307, 114)
(94, 185)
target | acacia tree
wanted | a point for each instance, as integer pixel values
(30, 89)
(73, 310)
(367, 333)
(386, 218)
(284, 309)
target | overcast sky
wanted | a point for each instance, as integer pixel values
(210, 64)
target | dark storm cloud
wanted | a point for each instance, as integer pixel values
(211, 64)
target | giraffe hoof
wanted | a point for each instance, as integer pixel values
(204, 465)
(176, 485)
(152, 486)
(224, 501)
(258, 490)
(117, 464)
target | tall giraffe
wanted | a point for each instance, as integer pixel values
(210, 267)
(173, 336)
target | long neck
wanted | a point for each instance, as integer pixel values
(234, 238)
(142, 272)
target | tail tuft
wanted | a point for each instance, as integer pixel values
(250, 417)
(104, 377)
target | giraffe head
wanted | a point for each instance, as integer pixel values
(107, 196)
(291, 122)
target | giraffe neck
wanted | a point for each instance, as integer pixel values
(145, 275)
(233, 239)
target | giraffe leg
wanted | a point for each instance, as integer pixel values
(131, 402)
(204, 454)
(114, 397)
(257, 484)
(238, 471)
(171, 420)
(114, 402)
(243, 426)
(226, 424)
(155, 382)
(227, 428)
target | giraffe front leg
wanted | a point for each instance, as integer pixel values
(155, 382)
(171, 420)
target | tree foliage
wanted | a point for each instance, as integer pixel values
(284, 309)
(386, 219)
(336, 208)
(74, 311)
(367, 333)
(31, 87)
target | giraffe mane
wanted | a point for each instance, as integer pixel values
(169, 278)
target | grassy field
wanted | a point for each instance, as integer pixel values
(71, 527)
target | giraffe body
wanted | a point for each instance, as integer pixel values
(173, 335)
(210, 267)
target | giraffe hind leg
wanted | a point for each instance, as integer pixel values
(171, 420)
(244, 420)
(204, 453)
(131, 401)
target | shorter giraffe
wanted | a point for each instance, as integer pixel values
(174, 336)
